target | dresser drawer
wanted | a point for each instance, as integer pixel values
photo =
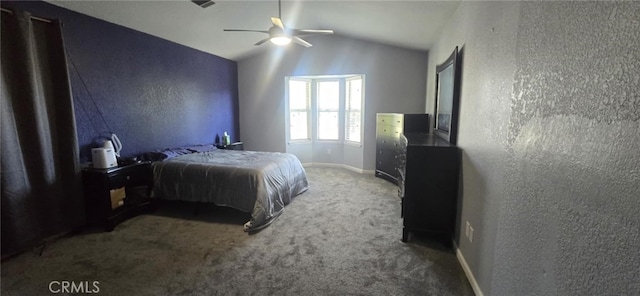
(133, 176)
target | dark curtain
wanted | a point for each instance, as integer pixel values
(41, 189)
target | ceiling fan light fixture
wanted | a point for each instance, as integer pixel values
(281, 40)
(281, 36)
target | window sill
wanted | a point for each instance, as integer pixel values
(299, 142)
(353, 144)
(345, 143)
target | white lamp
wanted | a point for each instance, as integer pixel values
(281, 40)
(278, 36)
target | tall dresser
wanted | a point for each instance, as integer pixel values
(428, 185)
(389, 127)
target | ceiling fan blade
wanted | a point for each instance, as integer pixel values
(277, 22)
(263, 41)
(239, 30)
(300, 41)
(311, 32)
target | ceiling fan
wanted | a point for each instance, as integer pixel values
(280, 35)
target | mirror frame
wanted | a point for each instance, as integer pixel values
(447, 129)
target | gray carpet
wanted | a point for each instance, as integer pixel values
(341, 237)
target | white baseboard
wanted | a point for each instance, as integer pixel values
(337, 165)
(467, 271)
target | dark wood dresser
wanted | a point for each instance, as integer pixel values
(428, 185)
(389, 127)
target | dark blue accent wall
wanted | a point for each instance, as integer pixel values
(151, 92)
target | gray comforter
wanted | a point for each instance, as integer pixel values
(260, 183)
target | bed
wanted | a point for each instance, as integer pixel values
(260, 183)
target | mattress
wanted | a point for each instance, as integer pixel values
(260, 183)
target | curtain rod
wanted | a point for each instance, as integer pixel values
(32, 17)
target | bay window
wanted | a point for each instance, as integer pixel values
(325, 108)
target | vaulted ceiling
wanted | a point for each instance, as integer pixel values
(410, 24)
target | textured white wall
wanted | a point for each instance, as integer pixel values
(550, 129)
(570, 215)
(485, 35)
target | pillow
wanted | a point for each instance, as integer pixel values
(201, 148)
(160, 155)
(173, 152)
(153, 156)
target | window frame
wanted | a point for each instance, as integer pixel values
(317, 110)
(347, 109)
(313, 109)
(309, 109)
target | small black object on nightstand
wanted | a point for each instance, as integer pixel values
(116, 194)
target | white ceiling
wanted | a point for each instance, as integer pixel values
(411, 24)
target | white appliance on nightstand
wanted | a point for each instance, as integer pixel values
(105, 157)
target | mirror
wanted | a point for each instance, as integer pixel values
(447, 98)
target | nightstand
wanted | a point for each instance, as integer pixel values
(116, 194)
(232, 146)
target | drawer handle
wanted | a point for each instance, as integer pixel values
(128, 178)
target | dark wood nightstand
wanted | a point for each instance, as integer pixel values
(232, 146)
(116, 194)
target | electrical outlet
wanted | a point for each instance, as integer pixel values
(466, 229)
(470, 234)
(329, 151)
